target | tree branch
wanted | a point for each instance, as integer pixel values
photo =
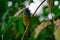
(19, 12)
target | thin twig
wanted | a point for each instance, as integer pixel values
(38, 7)
(19, 12)
(51, 8)
(27, 27)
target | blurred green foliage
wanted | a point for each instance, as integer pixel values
(12, 27)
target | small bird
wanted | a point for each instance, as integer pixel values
(26, 17)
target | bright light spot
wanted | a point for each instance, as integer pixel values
(59, 7)
(45, 4)
(56, 3)
(34, 5)
(26, 3)
(50, 16)
(41, 18)
(37, 1)
(9, 3)
(31, 7)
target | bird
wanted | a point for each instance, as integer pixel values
(26, 16)
(26, 19)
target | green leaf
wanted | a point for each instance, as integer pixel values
(34, 23)
(8, 25)
(46, 11)
(21, 26)
(8, 35)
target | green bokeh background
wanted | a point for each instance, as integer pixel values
(11, 26)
